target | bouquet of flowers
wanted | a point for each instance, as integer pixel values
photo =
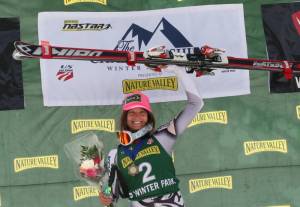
(86, 154)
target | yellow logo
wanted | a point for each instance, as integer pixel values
(165, 83)
(280, 206)
(145, 152)
(68, 2)
(206, 183)
(50, 161)
(74, 25)
(210, 117)
(84, 192)
(298, 111)
(279, 145)
(80, 125)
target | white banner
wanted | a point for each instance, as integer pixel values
(74, 83)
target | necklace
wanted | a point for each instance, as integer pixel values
(132, 152)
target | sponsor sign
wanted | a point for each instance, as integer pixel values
(80, 125)
(83, 192)
(164, 83)
(69, 2)
(25, 163)
(280, 206)
(210, 117)
(196, 185)
(278, 145)
(75, 25)
(99, 83)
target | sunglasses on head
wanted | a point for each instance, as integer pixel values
(125, 137)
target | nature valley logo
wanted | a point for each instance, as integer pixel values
(145, 152)
(206, 183)
(279, 145)
(84, 192)
(68, 2)
(50, 161)
(279, 206)
(80, 125)
(210, 117)
(74, 25)
(165, 83)
(298, 111)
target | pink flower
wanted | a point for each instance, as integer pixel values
(97, 160)
(92, 172)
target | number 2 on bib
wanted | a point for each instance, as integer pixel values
(147, 175)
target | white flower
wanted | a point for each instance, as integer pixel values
(87, 164)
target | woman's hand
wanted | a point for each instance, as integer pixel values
(104, 199)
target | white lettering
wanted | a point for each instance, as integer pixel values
(167, 182)
(297, 79)
(145, 189)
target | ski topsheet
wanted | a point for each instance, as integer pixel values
(204, 59)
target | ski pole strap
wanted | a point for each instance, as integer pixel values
(46, 49)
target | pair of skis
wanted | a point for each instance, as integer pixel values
(203, 59)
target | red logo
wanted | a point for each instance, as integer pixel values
(296, 21)
(65, 73)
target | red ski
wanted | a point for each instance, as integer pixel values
(202, 60)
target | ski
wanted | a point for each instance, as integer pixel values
(204, 59)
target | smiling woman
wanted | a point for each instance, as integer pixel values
(137, 162)
(137, 118)
(136, 112)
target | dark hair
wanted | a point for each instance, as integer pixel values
(123, 120)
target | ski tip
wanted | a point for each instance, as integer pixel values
(18, 42)
(17, 55)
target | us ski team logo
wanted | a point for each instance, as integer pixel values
(65, 73)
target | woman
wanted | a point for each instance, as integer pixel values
(145, 172)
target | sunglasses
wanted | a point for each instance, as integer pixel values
(125, 137)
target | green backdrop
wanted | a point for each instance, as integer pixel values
(211, 159)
